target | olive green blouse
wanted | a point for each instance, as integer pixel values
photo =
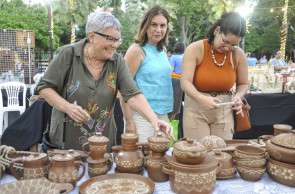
(97, 98)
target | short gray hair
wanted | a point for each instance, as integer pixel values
(99, 21)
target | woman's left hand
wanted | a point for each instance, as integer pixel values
(238, 105)
(166, 128)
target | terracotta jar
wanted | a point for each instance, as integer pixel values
(97, 167)
(154, 168)
(281, 128)
(282, 148)
(97, 146)
(35, 166)
(192, 179)
(129, 159)
(189, 152)
(159, 143)
(63, 169)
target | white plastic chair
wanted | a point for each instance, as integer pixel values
(12, 90)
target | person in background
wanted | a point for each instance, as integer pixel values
(278, 63)
(252, 60)
(210, 68)
(291, 64)
(96, 74)
(169, 54)
(149, 66)
(263, 60)
(176, 59)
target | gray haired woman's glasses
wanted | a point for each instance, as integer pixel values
(111, 39)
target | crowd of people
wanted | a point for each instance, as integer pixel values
(84, 79)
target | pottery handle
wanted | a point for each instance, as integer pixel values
(258, 139)
(84, 148)
(12, 170)
(219, 167)
(167, 170)
(81, 163)
(193, 155)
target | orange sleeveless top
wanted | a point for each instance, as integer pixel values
(210, 77)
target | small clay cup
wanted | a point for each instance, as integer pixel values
(250, 173)
(281, 128)
(97, 146)
(248, 152)
(97, 167)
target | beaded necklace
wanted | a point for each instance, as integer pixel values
(213, 56)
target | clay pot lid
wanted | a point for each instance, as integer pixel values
(189, 145)
(220, 155)
(74, 153)
(129, 136)
(63, 157)
(36, 156)
(209, 161)
(286, 140)
(159, 139)
(98, 138)
(213, 142)
(282, 127)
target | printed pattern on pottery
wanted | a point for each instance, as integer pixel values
(154, 164)
(159, 147)
(184, 146)
(251, 163)
(98, 170)
(195, 181)
(97, 148)
(31, 173)
(181, 154)
(226, 172)
(63, 177)
(128, 164)
(286, 141)
(285, 173)
(273, 152)
(240, 155)
(251, 171)
(212, 142)
(127, 186)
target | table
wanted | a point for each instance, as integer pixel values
(234, 185)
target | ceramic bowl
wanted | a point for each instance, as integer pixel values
(159, 143)
(213, 142)
(248, 152)
(281, 172)
(251, 173)
(281, 128)
(251, 162)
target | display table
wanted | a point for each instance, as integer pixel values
(233, 185)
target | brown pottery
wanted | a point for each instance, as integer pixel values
(213, 142)
(282, 148)
(35, 166)
(115, 150)
(251, 162)
(97, 167)
(159, 143)
(193, 179)
(248, 152)
(63, 169)
(97, 146)
(154, 168)
(264, 138)
(281, 128)
(250, 173)
(129, 159)
(281, 172)
(189, 152)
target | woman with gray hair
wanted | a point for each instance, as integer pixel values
(94, 77)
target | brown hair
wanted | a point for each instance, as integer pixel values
(141, 37)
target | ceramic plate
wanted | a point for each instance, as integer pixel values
(39, 185)
(118, 183)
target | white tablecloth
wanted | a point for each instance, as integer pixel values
(234, 185)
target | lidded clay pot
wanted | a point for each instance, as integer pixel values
(35, 166)
(159, 143)
(129, 159)
(281, 128)
(213, 142)
(228, 169)
(189, 151)
(63, 169)
(282, 148)
(97, 146)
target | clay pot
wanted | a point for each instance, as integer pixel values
(200, 178)
(189, 152)
(256, 163)
(63, 169)
(97, 167)
(228, 169)
(35, 166)
(282, 148)
(97, 146)
(281, 172)
(248, 152)
(250, 173)
(264, 138)
(154, 168)
(115, 150)
(213, 142)
(129, 159)
(159, 143)
(281, 128)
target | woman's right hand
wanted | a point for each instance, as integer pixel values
(129, 127)
(210, 103)
(77, 113)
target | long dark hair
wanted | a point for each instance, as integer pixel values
(179, 48)
(230, 23)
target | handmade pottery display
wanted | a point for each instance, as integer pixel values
(97, 146)
(97, 167)
(200, 178)
(189, 152)
(228, 169)
(282, 148)
(63, 169)
(154, 168)
(281, 172)
(35, 166)
(248, 152)
(118, 183)
(129, 159)
(159, 143)
(250, 173)
(281, 128)
(39, 185)
(213, 142)
(78, 154)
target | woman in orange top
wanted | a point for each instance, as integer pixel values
(210, 69)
